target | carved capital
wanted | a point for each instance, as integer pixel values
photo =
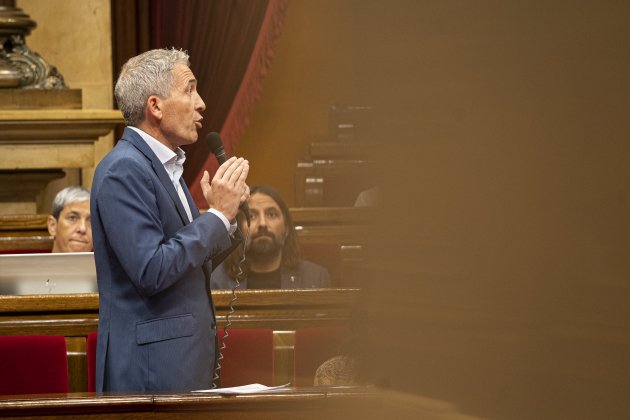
(21, 67)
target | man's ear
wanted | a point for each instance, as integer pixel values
(154, 107)
(52, 225)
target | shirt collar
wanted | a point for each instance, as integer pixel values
(164, 154)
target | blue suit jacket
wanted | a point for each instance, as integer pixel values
(157, 327)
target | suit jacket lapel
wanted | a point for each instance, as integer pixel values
(133, 137)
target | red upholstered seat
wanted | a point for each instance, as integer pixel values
(33, 365)
(91, 360)
(313, 346)
(248, 357)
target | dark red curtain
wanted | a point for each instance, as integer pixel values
(229, 55)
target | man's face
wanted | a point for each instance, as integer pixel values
(181, 112)
(73, 230)
(268, 229)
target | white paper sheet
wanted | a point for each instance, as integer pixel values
(243, 389)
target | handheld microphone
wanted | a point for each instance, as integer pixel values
(216, 147)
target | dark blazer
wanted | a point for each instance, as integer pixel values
(306, 275)
(157, 327)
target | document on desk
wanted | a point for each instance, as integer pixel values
(244, 389)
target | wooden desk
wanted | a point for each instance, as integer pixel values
(290, 403)
(77, 315)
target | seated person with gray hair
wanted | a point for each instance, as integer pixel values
(69, 222)
(272, 253)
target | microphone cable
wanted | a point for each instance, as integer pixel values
(240, 276)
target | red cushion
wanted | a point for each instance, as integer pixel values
(33, 365)
(248, 357)
(92, 339)
(313, 346)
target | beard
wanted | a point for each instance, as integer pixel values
(263, 246)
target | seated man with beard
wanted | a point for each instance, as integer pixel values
(272, 255)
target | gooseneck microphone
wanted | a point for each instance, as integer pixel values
(216, 147)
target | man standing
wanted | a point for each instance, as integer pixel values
(69, 221)
(272, 253)
(153, 250)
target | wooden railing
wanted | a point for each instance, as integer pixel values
(331, 236)
(314, 224)
(24, 232)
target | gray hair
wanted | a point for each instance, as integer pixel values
(149, 73)
(67, 196)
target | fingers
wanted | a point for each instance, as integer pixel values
(233, 172)
(245, 195)
(205, 182)
(240, 175)
(223, 167)
(228, 188)
(205, 186)
(228, 168)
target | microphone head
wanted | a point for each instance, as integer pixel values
(214, 142)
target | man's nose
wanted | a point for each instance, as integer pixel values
(200, 105)
(83, 225)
